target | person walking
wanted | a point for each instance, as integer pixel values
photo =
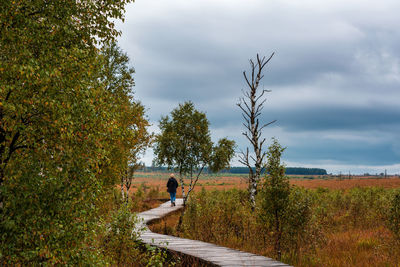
(172, 185)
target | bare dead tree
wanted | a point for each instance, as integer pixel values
(251, 105)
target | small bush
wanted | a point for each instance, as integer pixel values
(120, 242)
(394, 215)
(157, 257)
(154, 193)
(285, 210)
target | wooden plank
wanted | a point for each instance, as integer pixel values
(207, 252)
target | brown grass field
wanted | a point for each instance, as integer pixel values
(154, 180)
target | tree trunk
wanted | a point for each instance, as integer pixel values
(179, 226)
(253, 191)
(251, 105)
(183, 188)
(278, 237)
(122, 189)
(127, 196)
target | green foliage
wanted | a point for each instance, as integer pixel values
(226, 218)
(66, 132)
(366, 205)
(46, 222)
(121, 240)
(222, 155)
(310, 218)
(276, 189)
(297, 230)
(285, 211)
(356, 207)
(116, 75)
(394, 215)
(133, 136)
(219, 217)
(157, 257)
(185, 144)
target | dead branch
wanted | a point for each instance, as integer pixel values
(251, 105)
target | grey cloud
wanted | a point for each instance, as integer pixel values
(331, 118)
(336, 68)
(343, 152)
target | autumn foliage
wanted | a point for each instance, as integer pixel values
(66, 128)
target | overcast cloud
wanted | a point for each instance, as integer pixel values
(335, 78)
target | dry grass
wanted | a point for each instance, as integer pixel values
(348, 183)
(357, 247)
(154, 180)
(347, 248)
(346, 244)
(166, 225)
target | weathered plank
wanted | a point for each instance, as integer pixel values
(207, 252)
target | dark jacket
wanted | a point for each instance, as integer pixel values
(172, 185)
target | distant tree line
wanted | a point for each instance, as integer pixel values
(289, 171)
(305, 171)
(245, 170)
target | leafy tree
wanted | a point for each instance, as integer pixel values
(59, 127)
(184, 144)
(118, 78)
(276, 192)
(251, 105)
(285, 210)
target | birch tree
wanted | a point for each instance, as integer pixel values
(285, 210)
(185, 145)
(251, 105)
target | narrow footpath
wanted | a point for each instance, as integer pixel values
(207, 252)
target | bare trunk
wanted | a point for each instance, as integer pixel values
(252, 191)
(179, 226)
(193, 184)
(251, 105)
(127, 195)
(128, 184)
(183, 189)
(122, 189)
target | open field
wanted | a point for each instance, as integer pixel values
(229, 181)
(348, 226)
(348, 220)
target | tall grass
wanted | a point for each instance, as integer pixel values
(344, 228)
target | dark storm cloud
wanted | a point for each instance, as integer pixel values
(334, 118)
(317, 118)
(344, 152)
(336, 69)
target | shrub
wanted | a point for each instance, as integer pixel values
(366, 205)
(297, 218)
(394, 215)
(120, 242)
(218, 216)
(285, 210)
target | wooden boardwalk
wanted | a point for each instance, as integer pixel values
(207, 252)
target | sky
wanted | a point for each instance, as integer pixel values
(334, 78)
